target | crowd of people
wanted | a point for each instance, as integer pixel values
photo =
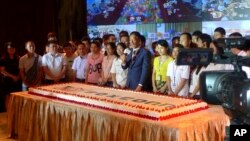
(126, 64)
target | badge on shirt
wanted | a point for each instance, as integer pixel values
(158, 77)
(174, 84)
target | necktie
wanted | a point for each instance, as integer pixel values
(134, 55)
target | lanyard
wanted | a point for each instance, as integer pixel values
(174, 72)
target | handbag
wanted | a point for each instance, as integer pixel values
(32, 73)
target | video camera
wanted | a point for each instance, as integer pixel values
(228, 43)
(229, 88)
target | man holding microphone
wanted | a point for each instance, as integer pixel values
(138, 64)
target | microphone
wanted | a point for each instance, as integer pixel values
(127, 51)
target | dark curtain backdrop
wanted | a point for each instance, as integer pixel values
(71, 19)
(22, 20)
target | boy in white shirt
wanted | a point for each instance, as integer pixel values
(79, 64)
(54, 65)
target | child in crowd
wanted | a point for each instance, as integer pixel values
(30, 66)
(86, 41)
(79, 64)
(54, 65)
(94, 63)
(119, 75)
(160, 67)
(106, 78)
(177, 76)
(186, 40)
(69, 56)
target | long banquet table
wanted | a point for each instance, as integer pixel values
(34, 118)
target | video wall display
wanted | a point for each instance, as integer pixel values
(242, 27)
(120, 12)
(221, 10)
(150, 17)
(99, 31)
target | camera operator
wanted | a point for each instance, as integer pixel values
(239, 52)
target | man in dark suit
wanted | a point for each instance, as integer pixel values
(138, 64)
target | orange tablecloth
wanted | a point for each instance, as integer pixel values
(34, 118)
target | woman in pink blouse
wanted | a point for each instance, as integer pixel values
(106, 78)
(94, 63)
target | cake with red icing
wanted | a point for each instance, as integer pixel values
(140, 104)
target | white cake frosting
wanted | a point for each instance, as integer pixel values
(140, 104)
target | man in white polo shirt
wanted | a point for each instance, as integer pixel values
(54, 65)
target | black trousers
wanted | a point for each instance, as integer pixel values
(48, 82)
(80, 80)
